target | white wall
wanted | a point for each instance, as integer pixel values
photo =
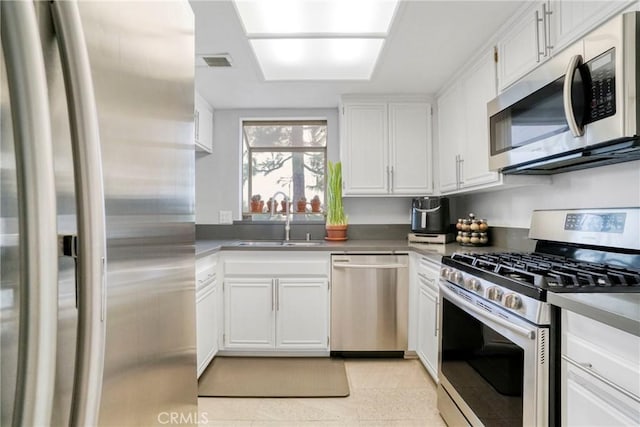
(218, 175)
(218, 183)
(603, 187)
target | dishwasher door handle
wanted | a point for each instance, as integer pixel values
(349, 265)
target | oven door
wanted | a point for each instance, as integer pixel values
(493, 366)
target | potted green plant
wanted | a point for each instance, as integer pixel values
(336, 223)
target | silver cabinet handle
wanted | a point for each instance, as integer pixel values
(461, 169)
(277, 294)
(388, 179)
(457, 170)
(546, 27)
(567, 103)
(436, 327)
(197, 125)
(38, 239)
(587, 367)
(391, 180)
(538, 21)
(85, 141)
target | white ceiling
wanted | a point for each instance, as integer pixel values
(427, 43)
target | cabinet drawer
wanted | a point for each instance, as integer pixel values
(206, 263)
(606, 351)
(282, 264)
(428, 267)
(205, 272)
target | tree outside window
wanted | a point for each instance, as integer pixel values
(287, 156)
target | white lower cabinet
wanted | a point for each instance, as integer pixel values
(425, 274)
(600, 379)
(207, 310)
(249, 311)
(428, 329)
(276, 301)
(589, 401)
(301, 313)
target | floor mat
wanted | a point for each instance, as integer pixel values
(274, 377)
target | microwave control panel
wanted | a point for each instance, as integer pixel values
(602, 74)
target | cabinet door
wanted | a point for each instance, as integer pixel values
(450, 134)
(479, 87)
(410, 148)
(206, 327)
(522, 47)
(428, 328)
(249, 313)
(572, 19)
(587, 401)
(203, 125)
(302, 313)
(364, 149)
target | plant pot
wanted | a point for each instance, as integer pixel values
(257, 206)
(302, 207)
(336, 232)
(315, 206)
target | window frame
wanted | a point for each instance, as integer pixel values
(278, 120)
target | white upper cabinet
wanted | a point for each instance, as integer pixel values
(385, 147)
(525, 44)
(576, 17)
(463, 136)
(203, 125)
(479, 87)
(410, 148)
(364, 148)
(544, 28)
(450, 135)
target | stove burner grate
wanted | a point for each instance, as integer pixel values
(553, 272)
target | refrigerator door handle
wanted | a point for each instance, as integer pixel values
(26, 76)
(89, 187)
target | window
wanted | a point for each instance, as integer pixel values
(287, 156)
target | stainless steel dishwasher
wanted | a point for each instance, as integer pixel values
(369, 303)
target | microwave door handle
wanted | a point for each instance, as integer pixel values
(574, 63)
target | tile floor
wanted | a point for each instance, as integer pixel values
(384, 392)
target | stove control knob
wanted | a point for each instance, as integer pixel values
(473, 285)
(456, 277)
(494, 293)
(512, 301)
(444, 273)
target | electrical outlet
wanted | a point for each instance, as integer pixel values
(225, 217)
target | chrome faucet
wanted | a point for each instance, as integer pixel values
(287, 226)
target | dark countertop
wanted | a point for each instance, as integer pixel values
(620, 310)
(434, 251)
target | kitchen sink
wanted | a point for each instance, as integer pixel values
(278, 243)
(301, 243)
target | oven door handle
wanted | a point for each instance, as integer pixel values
(514, 328)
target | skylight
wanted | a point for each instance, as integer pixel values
(316, 39)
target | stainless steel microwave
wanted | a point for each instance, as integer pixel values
(577, 110)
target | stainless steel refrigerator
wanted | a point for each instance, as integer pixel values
(97, 302)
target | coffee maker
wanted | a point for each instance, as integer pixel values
(430, 220)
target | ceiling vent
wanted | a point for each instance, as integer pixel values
(214, 60)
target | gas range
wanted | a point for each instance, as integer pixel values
(577, 251)
(498, 332)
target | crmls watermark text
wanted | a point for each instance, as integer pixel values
(177, 418)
